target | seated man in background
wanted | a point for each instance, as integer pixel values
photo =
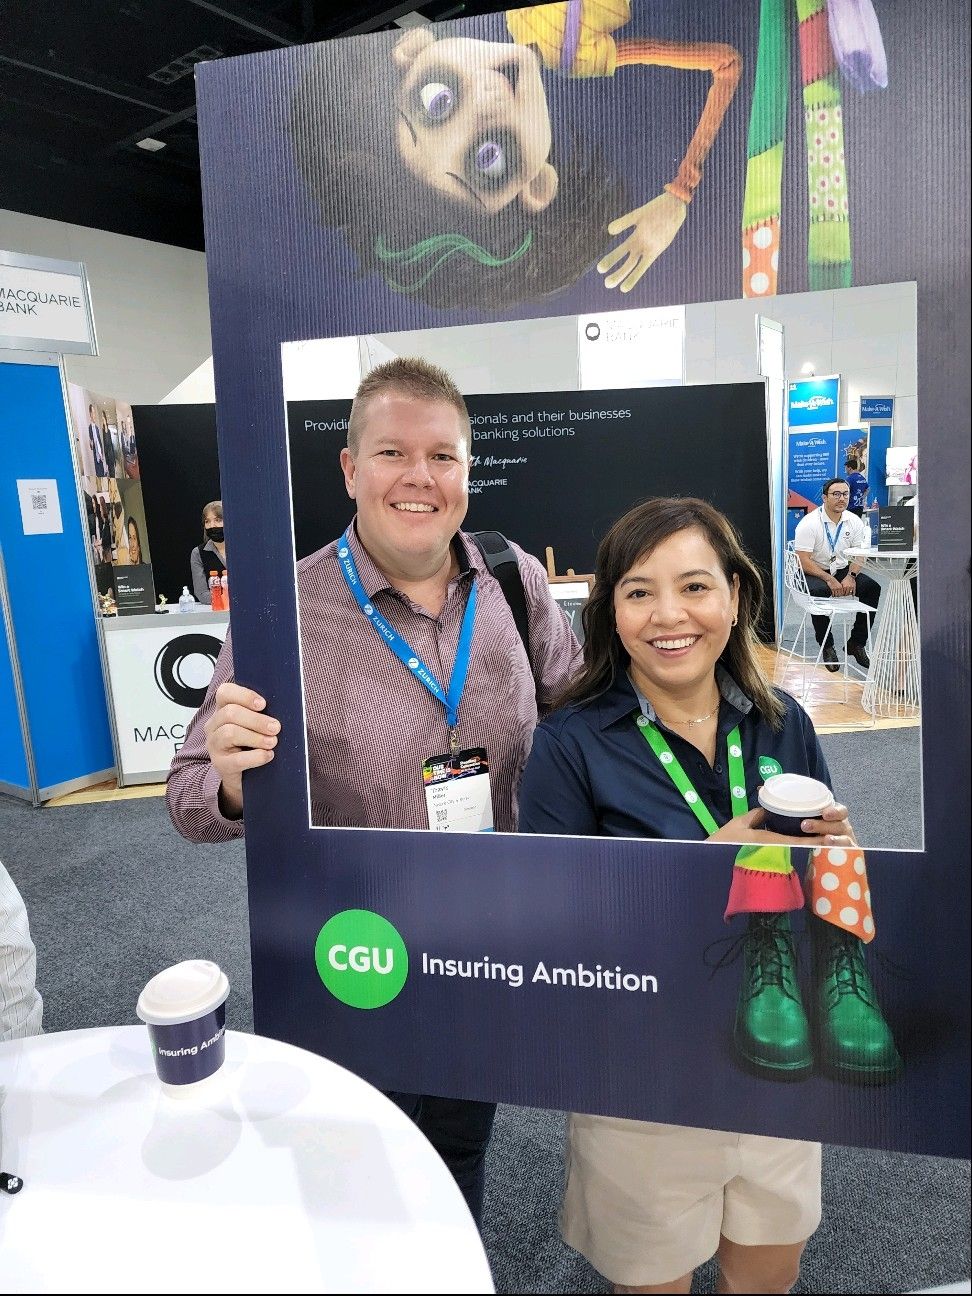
(820, 543)
(402, 587)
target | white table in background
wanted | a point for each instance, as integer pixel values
(893, 685)
(289, 1175)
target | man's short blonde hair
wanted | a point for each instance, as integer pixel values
(407, 376)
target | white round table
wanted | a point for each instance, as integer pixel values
(893, 685)
(288, 1174)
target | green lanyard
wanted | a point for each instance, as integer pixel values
(654, 737)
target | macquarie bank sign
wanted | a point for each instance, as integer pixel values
(45, 305)
(159, 668)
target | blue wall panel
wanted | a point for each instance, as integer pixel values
(13, 757)
(47, 576)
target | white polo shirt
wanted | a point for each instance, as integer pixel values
(826, 541)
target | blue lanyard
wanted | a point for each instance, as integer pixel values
(833, 542)
(403, 651)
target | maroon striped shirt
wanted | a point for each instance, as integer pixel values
(370, 723)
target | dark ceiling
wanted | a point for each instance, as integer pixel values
(82, 83)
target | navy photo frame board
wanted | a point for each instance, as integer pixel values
(278, 273)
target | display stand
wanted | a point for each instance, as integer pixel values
(159, 667)
(55, 732)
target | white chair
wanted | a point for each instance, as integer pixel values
(788, 549)
(811, 605)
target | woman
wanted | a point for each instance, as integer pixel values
(134, 543)
(111, 465)
(667, 733)
(105, 525)
(210, 556)
(119, 536)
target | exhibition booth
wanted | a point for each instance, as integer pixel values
(563, 970)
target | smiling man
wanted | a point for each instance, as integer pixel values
(420, 698)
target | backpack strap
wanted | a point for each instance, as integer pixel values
(502, 562)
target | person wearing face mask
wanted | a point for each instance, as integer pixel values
(210, 556)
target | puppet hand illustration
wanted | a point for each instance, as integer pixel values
(652, 227)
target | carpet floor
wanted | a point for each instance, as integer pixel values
(114, 895)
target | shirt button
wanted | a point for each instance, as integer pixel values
(718, 769)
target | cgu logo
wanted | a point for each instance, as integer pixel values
(360, 959)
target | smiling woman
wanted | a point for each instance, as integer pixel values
(667, 732)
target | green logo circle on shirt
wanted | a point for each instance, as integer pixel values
(768, 767)
(361, 958)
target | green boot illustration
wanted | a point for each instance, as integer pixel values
(854, 1041)
(771, 1033)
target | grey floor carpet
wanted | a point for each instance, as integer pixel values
(114, 894)
(877, 774)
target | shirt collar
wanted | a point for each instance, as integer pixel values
(374, 580)
(622, 698)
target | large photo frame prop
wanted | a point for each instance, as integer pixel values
(294, 252)
(592, 454)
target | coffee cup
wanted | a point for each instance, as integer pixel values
(184, 1007)
(788, 799)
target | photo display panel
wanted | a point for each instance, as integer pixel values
(594, 989)
(585, 457)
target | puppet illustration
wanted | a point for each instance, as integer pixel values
(843, 1029)
(833, 37)
(446, 173)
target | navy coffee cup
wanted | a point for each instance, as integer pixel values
(184, 1007)
(788, 799)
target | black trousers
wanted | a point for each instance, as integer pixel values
(868, 591)
(459, 1130)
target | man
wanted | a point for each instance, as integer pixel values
(94, 441)
(821, 539)
(857, 484)
(386, 612)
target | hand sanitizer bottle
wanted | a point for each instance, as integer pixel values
(186, 601)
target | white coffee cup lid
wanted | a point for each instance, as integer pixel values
(794, 794)
(183, 992)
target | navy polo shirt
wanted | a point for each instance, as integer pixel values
(591, 773)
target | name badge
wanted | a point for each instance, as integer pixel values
(458, 797)
(835, 566)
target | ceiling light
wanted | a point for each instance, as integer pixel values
(150, 145)
(413, 19)
(808, 368)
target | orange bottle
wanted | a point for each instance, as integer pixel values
(215, 593)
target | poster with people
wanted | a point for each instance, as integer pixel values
(107, 456)
(572, 159)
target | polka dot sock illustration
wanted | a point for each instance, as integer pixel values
(837, 889)
(761, 259)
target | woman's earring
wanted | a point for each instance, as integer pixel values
(735, 619)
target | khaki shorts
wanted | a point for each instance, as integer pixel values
(648, 1203)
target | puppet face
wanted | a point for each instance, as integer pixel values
(473, 121)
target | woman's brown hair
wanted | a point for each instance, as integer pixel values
(632, 538)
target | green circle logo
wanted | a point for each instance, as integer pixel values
(768, 767)
(361, 958)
